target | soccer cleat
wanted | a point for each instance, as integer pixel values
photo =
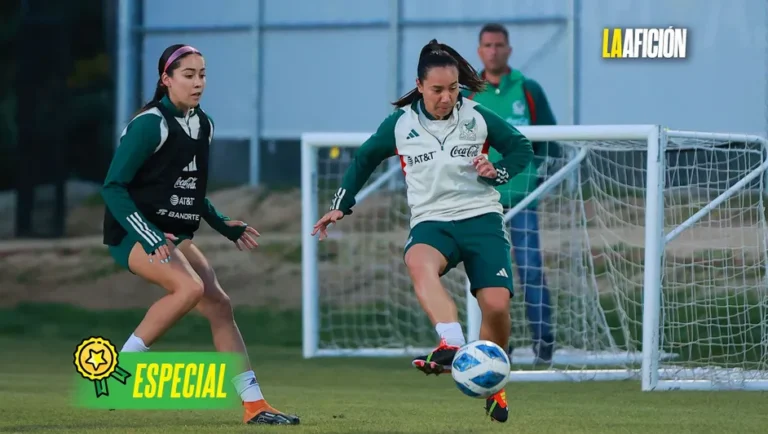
(437, 361)
(496, 407)
(261, 413)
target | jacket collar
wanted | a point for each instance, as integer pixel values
(166, 102)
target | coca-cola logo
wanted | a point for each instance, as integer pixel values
(186, 184)
(465, 151)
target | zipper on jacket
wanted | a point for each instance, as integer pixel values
(441, 142)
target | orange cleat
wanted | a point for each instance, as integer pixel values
(496, 407)
(261, 413)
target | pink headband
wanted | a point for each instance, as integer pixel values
(178, 53)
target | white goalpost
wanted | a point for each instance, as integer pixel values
(654, 252)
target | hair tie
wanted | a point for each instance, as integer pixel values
(178, 53)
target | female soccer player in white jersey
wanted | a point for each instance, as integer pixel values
(155, 195)
(442, 141)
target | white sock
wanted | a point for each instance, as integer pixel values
(247, 387)
(451, 332)
(134, 344)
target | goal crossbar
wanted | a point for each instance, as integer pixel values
(651, 356)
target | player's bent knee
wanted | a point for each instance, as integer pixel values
(216, 305)
(176, 276)
(191, 289)
(494, 300)
(217, 298)
(424, 262)
(423, 276)
(196, 290)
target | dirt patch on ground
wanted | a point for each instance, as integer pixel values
(85, 275)
(364, 262)
(78, 269)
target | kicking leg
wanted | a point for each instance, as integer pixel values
(215, 305)
(496, 323)
(485, 251)
(495, 327)
(425, 265)
(185, 289)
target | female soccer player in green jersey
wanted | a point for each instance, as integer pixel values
(155, 195)
(442, 140)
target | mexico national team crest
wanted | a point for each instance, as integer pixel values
(467, 130)
(518, 108)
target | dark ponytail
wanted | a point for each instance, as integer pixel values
(174, 53)
(469, 77)
(435, 54)
(160, 92)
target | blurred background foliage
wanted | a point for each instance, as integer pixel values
(60, 50)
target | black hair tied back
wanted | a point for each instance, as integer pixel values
(435, 54)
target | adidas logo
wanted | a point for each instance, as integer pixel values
(192, 166)
(502, 273)
(412, 134)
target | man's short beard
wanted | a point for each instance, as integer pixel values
(498, 71)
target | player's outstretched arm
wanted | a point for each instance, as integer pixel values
(142, 137)
(514, 147)
(378, 147)
(240, 233)
(234, 230)
(321, 227)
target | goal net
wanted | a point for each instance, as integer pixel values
(653, 244)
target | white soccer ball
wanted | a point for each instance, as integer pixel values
(480, 369)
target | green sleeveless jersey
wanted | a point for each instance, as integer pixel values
(156, 180)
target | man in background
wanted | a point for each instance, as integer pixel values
(521, 101)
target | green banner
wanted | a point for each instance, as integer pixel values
(163, 381)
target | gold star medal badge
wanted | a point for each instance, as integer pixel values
(96, 360)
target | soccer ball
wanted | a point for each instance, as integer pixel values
(480, 369)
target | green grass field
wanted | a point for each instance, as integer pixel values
(333, 395)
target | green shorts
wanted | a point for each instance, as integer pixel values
(481, 243)
(122, 251)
